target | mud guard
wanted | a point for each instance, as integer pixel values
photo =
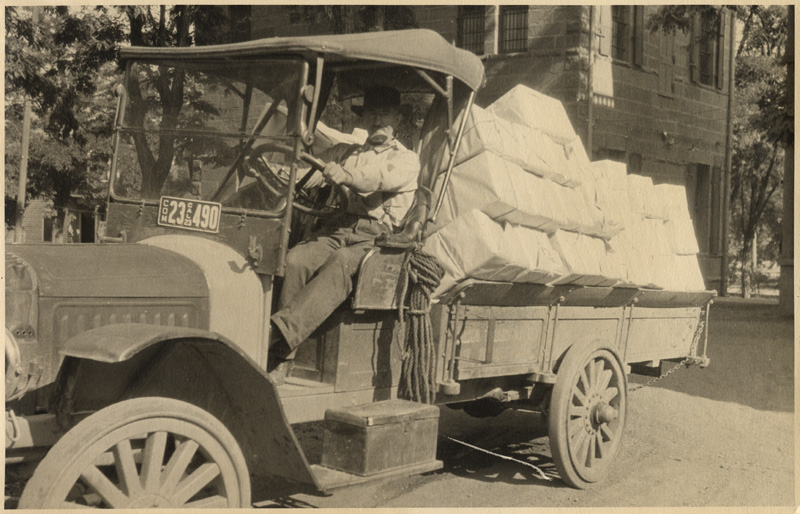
(202, 368)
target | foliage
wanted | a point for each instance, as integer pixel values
(673, 18)
(65, 60)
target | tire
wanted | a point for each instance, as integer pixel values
(142, 453)
(587, 414)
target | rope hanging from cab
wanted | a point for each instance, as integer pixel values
(418, 373)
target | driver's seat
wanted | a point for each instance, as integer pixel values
(376, 286)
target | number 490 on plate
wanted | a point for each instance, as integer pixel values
(189, 214)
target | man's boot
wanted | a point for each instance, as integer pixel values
(281, 358)
(281, 370)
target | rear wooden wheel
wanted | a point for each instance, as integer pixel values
(587, 414)
(142, 453)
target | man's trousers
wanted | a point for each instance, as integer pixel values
(319, 277)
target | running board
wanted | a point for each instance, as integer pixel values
(329, 479)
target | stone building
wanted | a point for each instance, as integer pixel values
(658, 102)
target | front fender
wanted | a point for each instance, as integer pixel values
(120, 341)
(117, 362)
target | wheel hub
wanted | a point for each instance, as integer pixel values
(604, 413)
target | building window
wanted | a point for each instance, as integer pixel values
(708, 208)
(471, 28)
(626, 33)
(620, 32)
(710, 55)
(513, 28)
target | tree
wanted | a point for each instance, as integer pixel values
(56, 61)
(762, 125)
(67, 63)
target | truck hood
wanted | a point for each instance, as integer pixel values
(109, 271)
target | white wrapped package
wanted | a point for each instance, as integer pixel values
(643, 197)
(679, 226)
(505, 192)
(582, 256)
(533, 109)
(632, 254)
(664, 272)
(544, 262)
(678, 273)
(475, 246)
(654, 237)
(614, 266)
(673, 197)
(648, 235)
(530, 149)
(612, 174)
(681, 236)
(611, 194)
(556, 164)
(443, 251)
(688, 267)
(548, 206)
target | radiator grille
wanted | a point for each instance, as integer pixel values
(71, 320)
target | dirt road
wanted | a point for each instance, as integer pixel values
(722, 436)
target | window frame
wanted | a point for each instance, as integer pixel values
(464, 15)
(621, 43)
(508, 45)
(632, 38)
(709, 52)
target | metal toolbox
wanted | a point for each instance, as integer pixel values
(379, 437)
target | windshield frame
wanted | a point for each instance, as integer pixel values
(292, 138)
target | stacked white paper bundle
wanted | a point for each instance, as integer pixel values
(476, 246)
(533, 109)
(679, 226)
(528, 148)
(686, 274)
(505, 192)
(584, 257)
(643, 197)
(525, 204)
(518, 174)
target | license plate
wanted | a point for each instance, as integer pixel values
(189, 214)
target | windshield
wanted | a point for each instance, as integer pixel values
(186, 128)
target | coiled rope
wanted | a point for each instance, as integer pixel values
(418, 372)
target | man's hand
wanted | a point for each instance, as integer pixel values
(335, 174)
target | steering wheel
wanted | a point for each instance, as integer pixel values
(278, 186)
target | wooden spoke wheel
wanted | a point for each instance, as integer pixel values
(142, 453)
(587, 414)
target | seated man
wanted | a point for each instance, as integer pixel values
(381, 177)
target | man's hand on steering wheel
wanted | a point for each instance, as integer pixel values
(277, 185)
(335, 174)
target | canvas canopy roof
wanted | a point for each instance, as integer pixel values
(419, 48)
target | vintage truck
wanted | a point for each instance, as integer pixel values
(136, 367)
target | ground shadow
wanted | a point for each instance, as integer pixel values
(474, 464)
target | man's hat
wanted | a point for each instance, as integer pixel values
(378, 97)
